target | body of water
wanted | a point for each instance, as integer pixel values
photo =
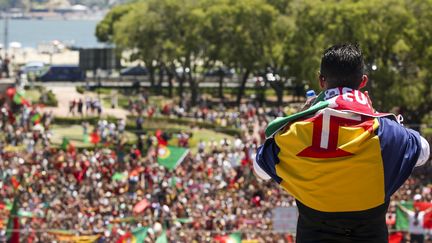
(31, 33)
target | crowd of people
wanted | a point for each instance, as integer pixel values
(88, 106)
(96, 191)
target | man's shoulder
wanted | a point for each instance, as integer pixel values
(280, 122)
(393, 129)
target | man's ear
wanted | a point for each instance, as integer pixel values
(321, 80)
(364, 81)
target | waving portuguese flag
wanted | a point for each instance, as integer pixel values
(137, 235)
(170, 156)
(231, 238)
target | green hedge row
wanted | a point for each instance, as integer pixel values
(79, 120)
(160, 121)
(190, 122)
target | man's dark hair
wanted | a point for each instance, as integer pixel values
(342, 65)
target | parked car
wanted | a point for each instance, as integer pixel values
(31, 70)
(62, 73)
(134, 71)
(216, 72)
(32, 67)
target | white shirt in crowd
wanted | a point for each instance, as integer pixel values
(416, 227)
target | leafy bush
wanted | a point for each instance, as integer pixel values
(80, 89)
(48, 99)
(52, 100)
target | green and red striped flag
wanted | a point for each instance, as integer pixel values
(402, 221)
(67, 146)
(231, 238)
(19, 98)
(170, 157)
(12, 232)
(36, 118)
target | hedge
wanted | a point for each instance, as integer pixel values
(61, 120)
(189, 122)
(80, 89)
(160, 121)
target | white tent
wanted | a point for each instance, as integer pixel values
(15, 44)
(79, 8)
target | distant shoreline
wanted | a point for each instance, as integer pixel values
(54, 18)
(52, 15)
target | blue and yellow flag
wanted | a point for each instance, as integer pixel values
(342, 158)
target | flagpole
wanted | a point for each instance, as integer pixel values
(6, 33)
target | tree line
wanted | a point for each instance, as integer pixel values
(283, 37)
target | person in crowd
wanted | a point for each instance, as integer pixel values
(80, 107)
(93, 191)
(415, 218)
(322, 158)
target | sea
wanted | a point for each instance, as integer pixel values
(31, 33)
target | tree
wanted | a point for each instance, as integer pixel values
(246, 33)
(420, 58)
(385, 42)
(105, 28)
(165, 34)
(278, 73)
(183, 38)
(140, 30)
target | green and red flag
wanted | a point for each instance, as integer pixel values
(36, 118)
(19, 98)
(137, 235)
(127, 237)
(231, 238)
(12, 232)
(402, 221)
(170, 157)
(68, 146)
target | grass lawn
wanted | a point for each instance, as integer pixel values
(75, 135)
(205, 135)
(33, 95)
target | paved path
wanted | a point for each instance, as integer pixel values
(66, 94)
